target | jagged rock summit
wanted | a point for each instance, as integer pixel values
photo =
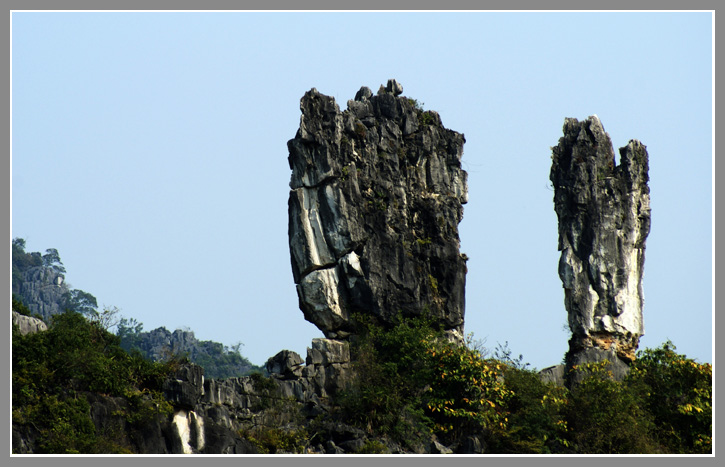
(375, 202)
(604, 219)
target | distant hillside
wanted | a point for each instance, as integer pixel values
(218, 360)
(38, 282)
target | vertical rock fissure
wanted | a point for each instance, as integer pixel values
(604, 219)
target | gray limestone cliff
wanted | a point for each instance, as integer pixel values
(603, 210)
(375, 202)
(42, 290)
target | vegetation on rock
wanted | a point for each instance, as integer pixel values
(411, 387)
(218, 360)
(411, 383)
(55, 371)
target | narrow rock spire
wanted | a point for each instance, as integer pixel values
(604, 219)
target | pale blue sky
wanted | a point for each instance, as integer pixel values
(150, 150)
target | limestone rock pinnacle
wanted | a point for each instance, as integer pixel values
(375, 202)
(604, 219)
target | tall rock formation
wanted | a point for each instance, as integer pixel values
(376, 198)
(604, 219)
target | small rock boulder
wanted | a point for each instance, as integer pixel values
(27, 324)
(286, 363)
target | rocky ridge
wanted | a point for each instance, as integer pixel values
(159, 344)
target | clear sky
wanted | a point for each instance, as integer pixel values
(150, 150)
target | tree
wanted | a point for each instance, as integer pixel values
(54, 371)
(129, 333)
(107, 319)
(19, 243)
(81, 302)
(51, 259)
(22, 261)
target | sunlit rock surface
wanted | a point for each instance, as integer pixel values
(27, 324)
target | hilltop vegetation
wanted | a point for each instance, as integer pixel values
(218, 360)
(410, 384)
(411, 390)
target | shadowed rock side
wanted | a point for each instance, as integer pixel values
(376, 199)
(604, 219)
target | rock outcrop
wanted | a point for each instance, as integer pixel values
(376, 198)
(27, 324)
(604, 219)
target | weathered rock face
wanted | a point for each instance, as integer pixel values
(604, 220)
(376, 199)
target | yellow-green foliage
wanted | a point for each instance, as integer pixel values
(663, 406)
(466, 392)
(411, 383)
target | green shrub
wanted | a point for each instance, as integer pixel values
(277, 440)
(390, 377)
(663, 406)
(53, 370)
(360, 130)
(373, 447)
(467, 393)
(20, 308)
(410, 382)
(536, 423)
(426, 118)
(605, 416)
(679, 397)
(417, 105)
